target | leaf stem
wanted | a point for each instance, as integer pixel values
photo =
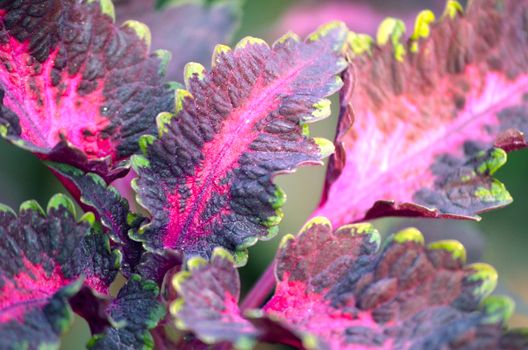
(261, 290)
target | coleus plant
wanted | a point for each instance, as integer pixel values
(424, 124)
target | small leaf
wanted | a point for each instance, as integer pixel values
(189, 30)
(77, 88)
(339, 290)
(433, 117)
(207, 179)
(45, 261)
(111, 208)
(135, 311)
(208, 303)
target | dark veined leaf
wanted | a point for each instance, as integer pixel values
(339, 290)
(111, 209)
(188, 29)
(433, 117)
(342, 289)
(208, 301)
(135, 311)
(207, 179)
(46, 259)
(76, 88)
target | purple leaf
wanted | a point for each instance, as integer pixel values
(208, 300)
(111, 209)
(207, 179)
(76, 87)
(339, 290)
(189, 30)
(45, 261)
(135, 311)
(433, 117)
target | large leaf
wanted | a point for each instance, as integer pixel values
(433, 117)
(189, 29)
(338, 290)
(45, 260)
(135, 311)
(207, 178)
(76, 88)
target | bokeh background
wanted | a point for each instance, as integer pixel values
(500, 238)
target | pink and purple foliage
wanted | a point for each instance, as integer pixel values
(77, 88)
(425, 122)
(452, 107)
(207, 178)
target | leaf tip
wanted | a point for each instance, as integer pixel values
(452, 9)
(498, 309)
(392, 29)
(181, 95)
(178, 280)
(335, 29)
(487, 275)
(193, 69)
(457, 250)
(222, 253)
(422, 27)
(163, 121)
(326, 147)
(410, 234)
(32, 205)
(316, 221)
(359, 43)
(322, 110)
(195, 263)
(288, 37)
(164, 56)
(284, 240)
(145, 141)
(60, 200)
(7, 209)
(218, 52)
(138, 161)
(363, 228)
(107, 7)
(141, 30)
(250, 40)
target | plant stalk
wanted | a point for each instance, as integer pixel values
(261, 290)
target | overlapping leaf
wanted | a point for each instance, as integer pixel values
(45, 260)
(113, 211)
(208, 303)
(338, 290)
(76, 88)
(110, 207)
(189, 30)
(207, 178)
(433, 116)
(135, 311)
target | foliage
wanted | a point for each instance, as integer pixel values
(424, 124)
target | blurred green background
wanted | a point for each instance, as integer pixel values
(499, 238)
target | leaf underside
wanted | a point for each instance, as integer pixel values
(76, 88)
(207, 178)
(433, 116)
(45, 261)
(339, 290)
